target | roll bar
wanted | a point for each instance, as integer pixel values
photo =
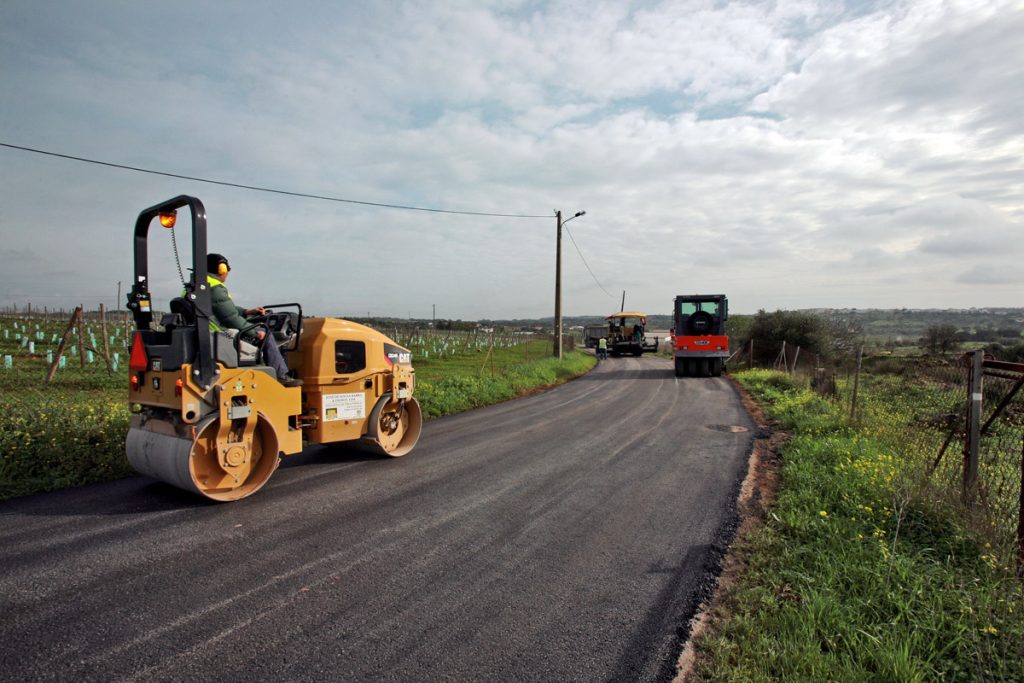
(196, 291)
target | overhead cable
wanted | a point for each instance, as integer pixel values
(573, 240)
(268, 189)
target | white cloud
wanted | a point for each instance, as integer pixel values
(793, 153)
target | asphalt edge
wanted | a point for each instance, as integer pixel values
(756, 495)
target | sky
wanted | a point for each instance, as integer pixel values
(790, 154)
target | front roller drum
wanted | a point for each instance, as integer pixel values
(194, 465)
(394, 426)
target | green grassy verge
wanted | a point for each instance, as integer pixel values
(456, 384)
(853, 577)
(72, 432)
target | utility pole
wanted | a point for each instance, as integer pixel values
(558, 288)
(557, 351)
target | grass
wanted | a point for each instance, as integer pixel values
(72, 431)
(857, 575)
(477, 379)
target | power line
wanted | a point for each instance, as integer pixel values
(267, 189)
(573, 240)
(34, 295)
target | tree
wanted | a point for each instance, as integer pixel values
(939, 339)
(846, 336)
(797, 328)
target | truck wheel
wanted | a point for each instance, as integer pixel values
(680, 368)
(716, 367)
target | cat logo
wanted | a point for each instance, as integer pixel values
(397, 355)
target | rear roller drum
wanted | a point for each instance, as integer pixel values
(394, 427)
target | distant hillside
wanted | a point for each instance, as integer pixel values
(878, 324)
(912, 323)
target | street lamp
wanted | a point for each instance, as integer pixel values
(557, 351)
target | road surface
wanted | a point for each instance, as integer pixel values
(567, 536)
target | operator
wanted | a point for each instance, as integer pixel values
(227, 316)
(602, 348)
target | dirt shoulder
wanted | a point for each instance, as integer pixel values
(757, 494)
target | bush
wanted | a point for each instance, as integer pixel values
(51, 440)
(797, 328)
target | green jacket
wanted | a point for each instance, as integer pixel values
(226, 315)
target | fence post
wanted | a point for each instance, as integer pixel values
(81, 334)
(856, 385)
(781, 358)
(60, 347)
(974, 405)
(103, 331)
(1020, 520)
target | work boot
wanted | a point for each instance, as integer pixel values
(290, 382)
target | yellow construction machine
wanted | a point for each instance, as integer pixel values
(211, 418)
(626, 334)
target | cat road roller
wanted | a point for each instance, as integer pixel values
(211, 418)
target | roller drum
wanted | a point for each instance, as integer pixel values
(193, 464)
(161, 456)
(393, 430)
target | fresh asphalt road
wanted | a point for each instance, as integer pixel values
(567, 536)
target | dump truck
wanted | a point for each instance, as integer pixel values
(626, 334)
(592, 334)
(699, 344)
(208, 416)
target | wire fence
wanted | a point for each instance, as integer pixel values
(35, 346)
(955, 423)
(39, 345)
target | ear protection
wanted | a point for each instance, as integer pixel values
(217, 264)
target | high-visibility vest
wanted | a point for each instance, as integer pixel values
(602, 343)
(212, 282)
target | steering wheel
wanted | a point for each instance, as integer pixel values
(256, 319)
(254, 338)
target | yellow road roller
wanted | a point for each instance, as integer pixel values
(211, 418)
